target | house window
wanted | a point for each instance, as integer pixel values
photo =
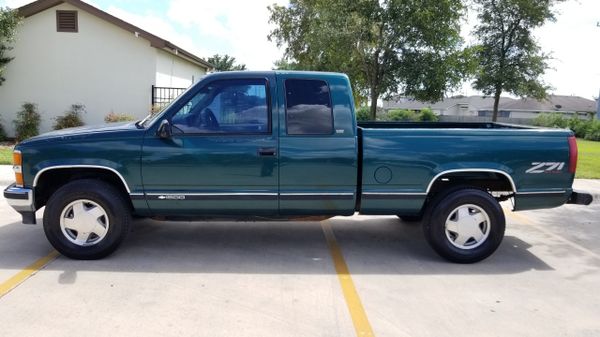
(489, 113)
(66, 21)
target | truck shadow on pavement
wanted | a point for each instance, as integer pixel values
(384, 246)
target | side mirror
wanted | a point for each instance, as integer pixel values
(165, 130)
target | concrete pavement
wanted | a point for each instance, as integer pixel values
(278, 279)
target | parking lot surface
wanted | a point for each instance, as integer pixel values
(285, 279)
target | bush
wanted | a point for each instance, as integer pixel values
(593, 131)
(427, 115)
(71, 118)
(583, 128)
(552, 120)
(28, 121)
(363, 114)
(402, 115)
(115, 118)
(579, 126)
(2, 133)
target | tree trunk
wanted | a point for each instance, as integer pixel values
(496, 104)
(374, 98)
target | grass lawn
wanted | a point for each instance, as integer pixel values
(5, 155)
(588, 165)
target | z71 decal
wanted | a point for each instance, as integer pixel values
(546, 167)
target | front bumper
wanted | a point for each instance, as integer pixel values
(21, 199)
(580, 198)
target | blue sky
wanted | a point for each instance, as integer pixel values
(240, 28)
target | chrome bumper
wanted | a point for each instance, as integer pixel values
(21, 199)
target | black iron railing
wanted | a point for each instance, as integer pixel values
(162, 96)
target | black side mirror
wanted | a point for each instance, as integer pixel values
(165, 130)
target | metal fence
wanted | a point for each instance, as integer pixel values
(466, 119)
(162, 96)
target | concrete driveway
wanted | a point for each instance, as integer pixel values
(346, 276)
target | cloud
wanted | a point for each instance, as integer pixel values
(158, 26)
(238, 28)
(14, 3)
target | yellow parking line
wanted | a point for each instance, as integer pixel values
(357, 312)
(18, 278)
(523, 218)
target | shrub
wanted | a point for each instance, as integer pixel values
(363, 113)
(71, 118)
(115, 118)
(593, 131)
(402, 115)
(427, 115)
(28, 121)
(579, 126)
(2, 133)
(552, 120)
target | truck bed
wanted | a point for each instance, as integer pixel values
(439, 125)
(403, 162)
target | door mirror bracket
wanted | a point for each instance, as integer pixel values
(165, 130)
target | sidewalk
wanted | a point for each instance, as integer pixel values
(591, 186)
(7, 175)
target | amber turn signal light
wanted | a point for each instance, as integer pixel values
(17, 162)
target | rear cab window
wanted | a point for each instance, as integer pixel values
(308, 107)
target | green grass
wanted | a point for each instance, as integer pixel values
(588, 165)
(5, 155)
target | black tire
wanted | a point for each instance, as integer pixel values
(117, 212)
(411, 218)
(439, 211)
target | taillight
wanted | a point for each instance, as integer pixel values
(572, 154)
(18, 168)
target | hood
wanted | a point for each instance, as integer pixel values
(85, 131)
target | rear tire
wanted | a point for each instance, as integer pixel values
(87, 219)
(465, 225)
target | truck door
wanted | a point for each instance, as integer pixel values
(318, 146)
(222, 155)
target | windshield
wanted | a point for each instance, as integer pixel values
(148, 120)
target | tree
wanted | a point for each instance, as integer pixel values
(225, 63)
(509, 57)
(8, 26)
(385, 46)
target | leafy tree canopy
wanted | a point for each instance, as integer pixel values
(9, 21)
(225, 63)
(385, 46)
(509, 57)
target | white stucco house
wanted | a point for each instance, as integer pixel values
(69, 52)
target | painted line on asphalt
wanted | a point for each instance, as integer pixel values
(27, 272)
(357, 311)
(527, 220)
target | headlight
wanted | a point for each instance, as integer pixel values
(18, 168)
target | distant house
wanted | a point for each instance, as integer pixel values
(71, 52)
(479, 106)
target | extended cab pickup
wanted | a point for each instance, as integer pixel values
(282, 145)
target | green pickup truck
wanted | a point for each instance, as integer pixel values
(286, 145)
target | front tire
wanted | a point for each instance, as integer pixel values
(465, 225)
(87, 219)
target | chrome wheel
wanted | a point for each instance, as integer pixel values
(84, 222)
(468, 226)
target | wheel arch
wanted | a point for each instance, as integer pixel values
(49, 179)
(483, 178)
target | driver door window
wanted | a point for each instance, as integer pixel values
(228, 106)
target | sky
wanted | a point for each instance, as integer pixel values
(240, 28)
